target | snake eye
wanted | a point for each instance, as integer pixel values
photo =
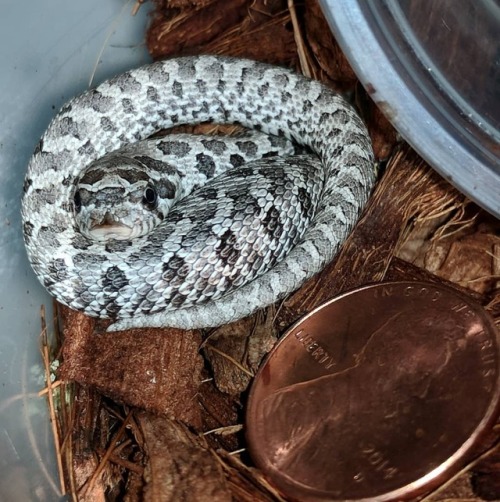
(150, 197)
(77, 200)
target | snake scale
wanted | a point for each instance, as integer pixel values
(194, 233)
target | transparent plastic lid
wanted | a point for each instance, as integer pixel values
(435, 68)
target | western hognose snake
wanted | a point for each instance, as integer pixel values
(250, 226)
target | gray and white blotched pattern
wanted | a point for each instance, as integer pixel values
(246, 226)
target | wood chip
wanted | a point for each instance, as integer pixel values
(153, 369)
(179, 466)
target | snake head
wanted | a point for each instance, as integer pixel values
(119, 198)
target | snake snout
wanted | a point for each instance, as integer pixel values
(107, 227)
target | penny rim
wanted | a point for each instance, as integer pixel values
(297, 383)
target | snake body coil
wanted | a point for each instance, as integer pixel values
(228, 248)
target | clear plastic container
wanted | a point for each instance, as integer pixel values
(49, 52)
(434, 68)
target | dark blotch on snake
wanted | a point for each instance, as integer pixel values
(93, 175)
(28, 182)
(117, 246)
(358, 139)
(80, 242)
(271, 220)
(325, 117)
(306, 107)
(48, 282)
(201, 85)
(304, 200)
(98, 102)
(205, 164)
(156, 165)
(166, 189)
(67, 206)
(87, 149)
(66, 108)
(48, 236)
(214, 145)
(281, 80)
(68, 127)
(113, 279)
(210, 193)
(240, 87)
(176, 148)
(175, 263)
(269, 155)
(81, 259)
(226, 246)
(153, 95)
(28, 229)
(107, 124)
(177, 90)
(132, 175)
(247, 147)
(236, 160)
(302, 87)
(285, 97)
(209, 209)
(187, 69)
(128, 106)
(68, 180)
(178, 300)
(263, 90)
(128, 83)
(337, 151)
(38, 147)
(168, 274)
(173, 267)
(46, 194)
(216, 69)
(341, 116)
(205, 108)
(159, 75)
(57, 268)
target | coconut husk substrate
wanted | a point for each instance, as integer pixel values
(157, 414)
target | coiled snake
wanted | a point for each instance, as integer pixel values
(246, 227)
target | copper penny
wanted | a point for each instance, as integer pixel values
(376, 395)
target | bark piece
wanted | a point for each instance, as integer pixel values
(220, 412)
(327, 54)
(179, 466)
(383, 135)
(236, 350)
(486, 477)
(240, 28)
(154, 369)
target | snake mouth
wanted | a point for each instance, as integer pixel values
(105, 232)
(109, 227)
